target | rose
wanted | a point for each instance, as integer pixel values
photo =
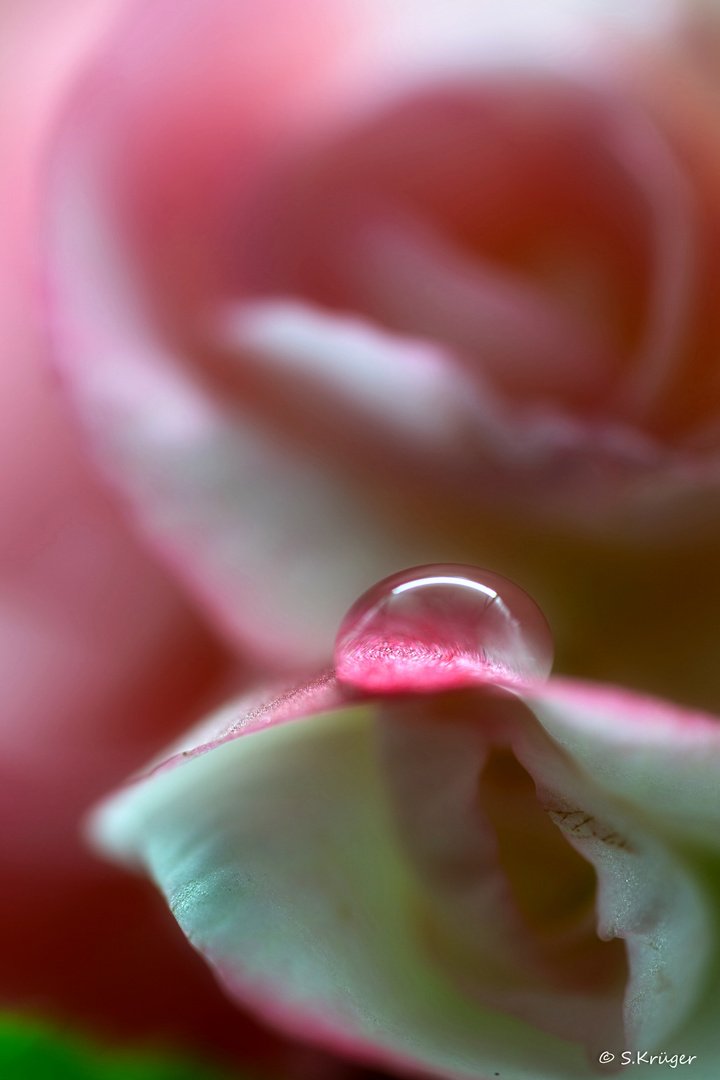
(243, 194)
(161, 160)
(101, 657)
(365, 859)
(189, 169)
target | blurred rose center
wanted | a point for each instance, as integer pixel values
(504, 223)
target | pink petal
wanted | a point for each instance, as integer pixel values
(337, 871)
(276, 475)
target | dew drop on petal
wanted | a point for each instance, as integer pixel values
(441, 626)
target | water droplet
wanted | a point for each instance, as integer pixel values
(441, 626)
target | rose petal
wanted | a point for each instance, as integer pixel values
(658, 757)
(154, 189)
(227, 502)
(305, 857)
(292, 885)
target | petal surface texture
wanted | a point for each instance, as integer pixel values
(346, 875)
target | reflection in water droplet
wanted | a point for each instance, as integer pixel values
(441, 626)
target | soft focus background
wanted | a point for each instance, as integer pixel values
(103, 658)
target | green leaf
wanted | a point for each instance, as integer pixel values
(33, 1050)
